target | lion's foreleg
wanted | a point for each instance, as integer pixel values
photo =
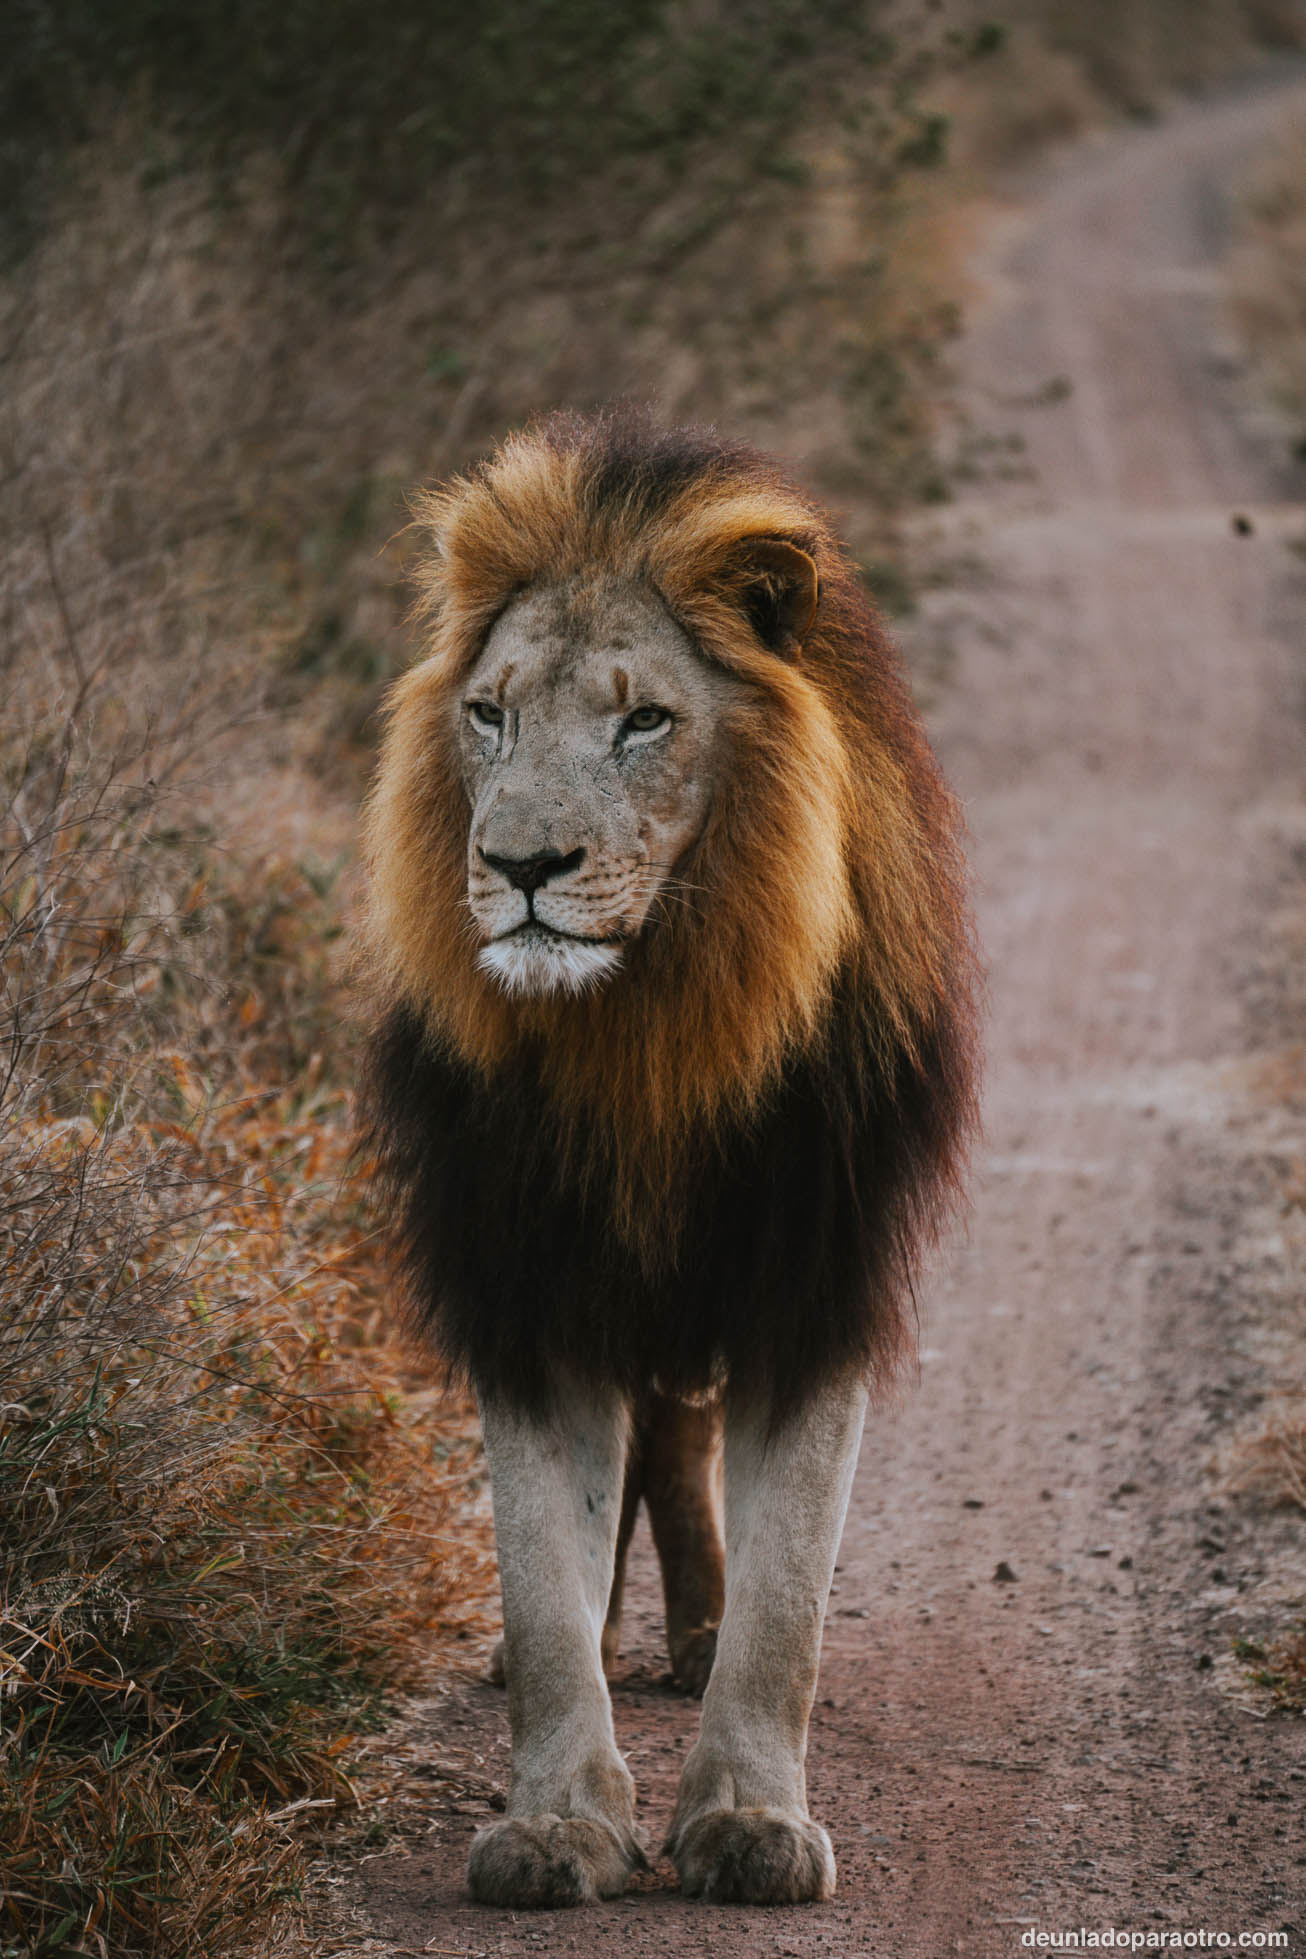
(632, 1491)
(497, 1671)
(569, 1833)
(741, 1832)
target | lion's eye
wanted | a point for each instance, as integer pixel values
(645, 721)
(485, 715)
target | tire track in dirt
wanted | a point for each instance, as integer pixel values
(1124, 717)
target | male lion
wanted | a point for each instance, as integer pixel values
(672, 1077)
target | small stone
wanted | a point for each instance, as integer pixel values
(1003, 1574)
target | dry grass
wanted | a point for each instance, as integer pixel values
(1136, 53)
(229, 1520)
(1278, 1668)
(1269, 273)
(1270, 1464)
(1274, 1462)
(1059, 68)
(751, 268)
(234, 1513)
(1265, 1461)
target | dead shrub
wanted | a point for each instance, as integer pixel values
(229, 1519)
(229, 1523)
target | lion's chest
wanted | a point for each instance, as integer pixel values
(774, 1260)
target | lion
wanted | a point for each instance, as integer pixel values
(673, 1467)
(672, 1081)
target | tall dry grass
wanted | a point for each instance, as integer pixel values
(234, 1515)
(229, 1521)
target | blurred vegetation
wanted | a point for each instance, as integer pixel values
(315, 263)
(1133, 52)
(1269, 275)
(1064, 68)
(531, 101)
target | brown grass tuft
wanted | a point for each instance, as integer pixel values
(1278, 1667)
(1273, 1463)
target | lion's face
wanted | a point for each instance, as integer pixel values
(591, 740)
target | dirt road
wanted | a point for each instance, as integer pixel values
(1125, 717)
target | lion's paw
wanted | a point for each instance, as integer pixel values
(691, 1660)
(754, 1857)
(527, 1861)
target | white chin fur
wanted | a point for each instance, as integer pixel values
(525, 963)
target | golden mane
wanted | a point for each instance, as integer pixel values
(836, 800)
(725, 1162)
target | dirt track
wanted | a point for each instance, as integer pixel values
(1125, 718)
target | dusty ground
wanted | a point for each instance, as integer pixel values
(1126, 717)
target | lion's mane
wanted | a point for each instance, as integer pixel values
(724, 1162)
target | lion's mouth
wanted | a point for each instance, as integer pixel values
(535, 958)
(534, 931)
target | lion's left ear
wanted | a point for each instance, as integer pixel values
(778, 587)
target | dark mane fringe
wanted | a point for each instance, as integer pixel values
(800, 1230)
(633, 463)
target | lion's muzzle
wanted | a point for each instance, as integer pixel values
(529, 873)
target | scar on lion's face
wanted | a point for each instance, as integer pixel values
(592, 736)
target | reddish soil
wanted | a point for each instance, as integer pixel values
(1124, 711)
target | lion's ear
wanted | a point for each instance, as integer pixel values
(778, 587)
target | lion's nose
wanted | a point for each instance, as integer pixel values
(529, 873)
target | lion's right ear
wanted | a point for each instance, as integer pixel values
(778, 586)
